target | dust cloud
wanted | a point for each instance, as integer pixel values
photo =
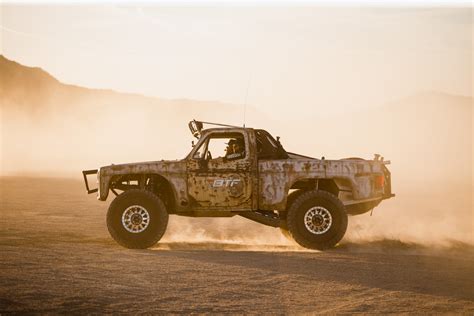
(428, 138)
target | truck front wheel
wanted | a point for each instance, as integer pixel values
(137, 219)
(317, 220)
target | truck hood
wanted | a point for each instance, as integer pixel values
(158, 167)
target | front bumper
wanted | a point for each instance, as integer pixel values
(85, 173)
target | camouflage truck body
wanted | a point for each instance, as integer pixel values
(260, 185)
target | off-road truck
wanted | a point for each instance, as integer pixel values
(308, 199)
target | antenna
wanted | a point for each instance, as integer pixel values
(247, 95)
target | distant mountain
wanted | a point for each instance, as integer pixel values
(24, 86)
(48, 125)
(33, 89)
(15, 75)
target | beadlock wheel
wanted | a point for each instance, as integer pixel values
(318, 220)
(135, 219)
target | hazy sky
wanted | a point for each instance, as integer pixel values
(291, 58)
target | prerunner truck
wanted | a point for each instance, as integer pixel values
(308, 199)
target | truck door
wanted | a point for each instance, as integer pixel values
(218, 177)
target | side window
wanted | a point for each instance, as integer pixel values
(217, 147)
(226, 146)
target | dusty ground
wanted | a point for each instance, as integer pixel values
(56, 257)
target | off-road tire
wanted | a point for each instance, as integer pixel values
(289, 201)
(158, 219)
(295, 220)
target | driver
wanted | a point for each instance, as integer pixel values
(230, 148)
(235, 149)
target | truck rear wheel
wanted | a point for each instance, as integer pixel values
(137, 219)
(317, 220)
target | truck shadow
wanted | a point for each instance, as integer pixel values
(388, 265)
(448, 272)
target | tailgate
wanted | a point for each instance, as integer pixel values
(387, 192)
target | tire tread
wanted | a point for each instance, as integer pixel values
(137, 244)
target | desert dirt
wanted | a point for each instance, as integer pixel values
(56, 256)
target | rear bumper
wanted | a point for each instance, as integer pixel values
(387, 193)
(85, 173)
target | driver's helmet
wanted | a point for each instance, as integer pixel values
(240, 143)
(230, 146)
(232, 141)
